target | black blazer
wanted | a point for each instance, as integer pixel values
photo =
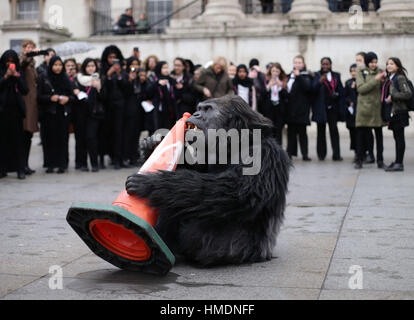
(299, 100)
(45, 91)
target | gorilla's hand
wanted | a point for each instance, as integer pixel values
(139, 185)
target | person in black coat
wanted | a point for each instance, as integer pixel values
(299, 88)
(90, 104)
(55, 92)
(276, 99)
(259, 79)
(186, 101)
(136, 93)
(114, 83)
(351, 101)
(328, 107)
(12, 113)
(162, 95)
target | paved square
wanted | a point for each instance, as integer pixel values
(336, 218)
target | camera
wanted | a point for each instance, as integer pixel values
(133, 69)
(116, 61)
(37, 53)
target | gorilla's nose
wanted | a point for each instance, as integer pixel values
(197, 115)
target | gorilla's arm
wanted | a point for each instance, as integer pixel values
(223, 195)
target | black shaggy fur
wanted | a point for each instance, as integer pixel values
(215, 215)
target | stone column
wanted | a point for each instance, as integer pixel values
(13, 10)
(309, 9)
(41, 9)
(397, 8)
(223, 10)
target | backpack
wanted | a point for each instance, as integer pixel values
(410, 103)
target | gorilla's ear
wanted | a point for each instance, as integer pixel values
(241, 116)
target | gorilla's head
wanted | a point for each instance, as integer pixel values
(228, 112)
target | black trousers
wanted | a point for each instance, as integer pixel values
(295, 131)
(353, 138)
(275, 114)
(117, 122)
(11, 142)
(79, 120)
(55, 143)
(363, 136)
(92, 139)
(27, 144)
(399, 138)
(133, 125)
(332, 117)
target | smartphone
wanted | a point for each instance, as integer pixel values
(116, 61)
(12, 66)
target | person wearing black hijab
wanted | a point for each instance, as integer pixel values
(244, 86)
(12, 113)
(55, 93)
(185, 99)
(114, 83)
(162, 94)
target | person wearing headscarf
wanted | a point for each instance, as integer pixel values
(55, 92)
(12, 112)
(162, 94)
(114, 82)
(244, 87)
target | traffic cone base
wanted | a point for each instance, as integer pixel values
(121, 238)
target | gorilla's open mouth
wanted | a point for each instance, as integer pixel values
(192, 126)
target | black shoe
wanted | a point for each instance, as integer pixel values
(21, 175)
(369, 159)
(117, 165)
(337, 159)
(306, 158)
(28, 171)
(49, 170)
(358, 165)
(84, 169)
(3, 175)
(380, 165)
(95, 169)
(321, 158)
(395, 167)
(61, 170)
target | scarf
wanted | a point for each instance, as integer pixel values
(60, 82)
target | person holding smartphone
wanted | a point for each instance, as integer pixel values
(12, 112)
(114, 82)
(368, 115)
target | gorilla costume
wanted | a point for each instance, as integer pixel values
(213, 214)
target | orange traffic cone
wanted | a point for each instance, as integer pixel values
(123, 233)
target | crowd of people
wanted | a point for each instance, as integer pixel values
(108, 102)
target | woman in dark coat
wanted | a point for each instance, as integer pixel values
(162, 94)
(396, 94)
(244, 86)
(136, 93)
(186, 100)
(12, 113)
(328, 107)
(276, 99)
(351, 102)
(114, 83)
(55, 93)
(299, 87)
(90, 104)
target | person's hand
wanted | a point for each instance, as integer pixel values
(389, 100)
(9, 73)
(76, 92)
(323, 78)
(110, 71)
(353, 86)
(380, 77)
(351, 104)
(179, 85)
(296, 72)
(279, 83)
(54, 98)
(96, 83)
(118, 69)
(207, 93)
(163, 82)
(63, 100)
